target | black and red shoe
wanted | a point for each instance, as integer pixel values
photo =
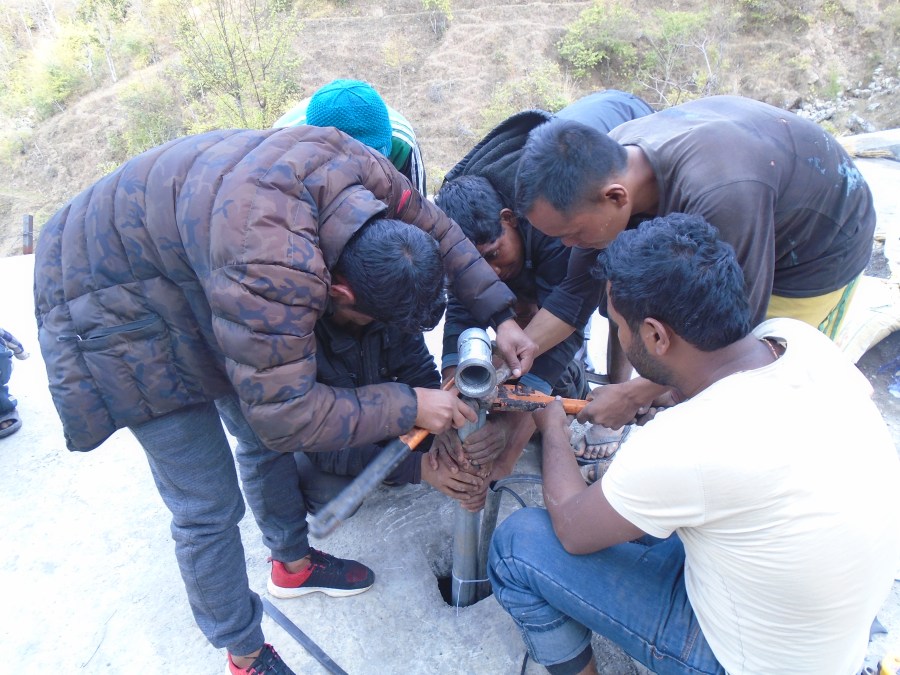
(267, 663)
(326, 574)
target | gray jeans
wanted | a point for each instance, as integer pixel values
(194, 471)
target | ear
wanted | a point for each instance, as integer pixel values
(657, 336)
(341, 294)
(508, 218)
(616, 193)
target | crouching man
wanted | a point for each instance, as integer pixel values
(773, 538)
(353, 350)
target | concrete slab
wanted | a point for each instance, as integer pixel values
(90, 582)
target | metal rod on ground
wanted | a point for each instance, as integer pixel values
(465, 533)
(345, 504)
(294, 631)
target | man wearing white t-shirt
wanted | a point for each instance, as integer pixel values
(752, 528)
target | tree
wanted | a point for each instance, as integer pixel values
(102, 19)
(238, 65)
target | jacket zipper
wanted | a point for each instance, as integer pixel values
(105, 332)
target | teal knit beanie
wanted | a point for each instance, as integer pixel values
(355, 108)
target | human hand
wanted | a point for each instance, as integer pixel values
(609, 406)
(469, 489)
(550, 416)
(516, 348)
(667, 400)
(439, 410)
(446, 449)
(487, 443)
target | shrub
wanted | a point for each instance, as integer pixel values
(603, 34)
(542, 87)
(152, 115)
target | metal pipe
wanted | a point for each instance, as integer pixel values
(465, 532)
(488, 525)
(475, 374)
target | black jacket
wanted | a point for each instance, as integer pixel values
(378, 355)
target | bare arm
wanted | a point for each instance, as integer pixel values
(547, 330)
(617, 364)
(614, 405)
(582, 517)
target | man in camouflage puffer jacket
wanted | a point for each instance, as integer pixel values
(186, 285)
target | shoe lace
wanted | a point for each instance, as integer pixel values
(268, 661)
(318, 560)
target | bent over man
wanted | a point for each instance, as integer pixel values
(779, 188)
(186, 285)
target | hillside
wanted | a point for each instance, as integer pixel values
(836, 62)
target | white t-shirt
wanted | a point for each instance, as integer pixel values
(782, 483)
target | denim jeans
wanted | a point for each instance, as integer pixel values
(7, 402)
(632, 593)
(191, 462)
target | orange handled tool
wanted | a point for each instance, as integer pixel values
(345, 504)
(519, 398)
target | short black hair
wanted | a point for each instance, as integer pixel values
(561, 161)
(396, 273)
(676, 270)
(475, 205)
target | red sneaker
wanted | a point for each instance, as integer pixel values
(326, 574)
(267, 663)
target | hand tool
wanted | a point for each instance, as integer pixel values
(345, 504)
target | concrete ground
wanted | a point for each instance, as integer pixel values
(90, 582)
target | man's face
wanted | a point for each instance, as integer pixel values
(506, 254)
(347, 316)
(593, 226)
(646, 365)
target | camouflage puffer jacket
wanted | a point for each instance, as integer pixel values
(201, 266)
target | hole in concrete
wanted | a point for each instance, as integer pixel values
(445, 586)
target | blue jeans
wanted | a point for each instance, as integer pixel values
(191, 462)
(633, 594)
(7, 402)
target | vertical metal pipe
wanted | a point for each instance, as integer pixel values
(488, 525)
(465, 534)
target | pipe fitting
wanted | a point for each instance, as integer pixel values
(475, 373)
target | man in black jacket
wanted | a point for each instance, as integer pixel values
(479, 194)
(350, 353)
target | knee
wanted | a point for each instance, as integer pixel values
(518, 537)
(200, 516)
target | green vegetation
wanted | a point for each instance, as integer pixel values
(603, 36)
(50, 60)
(675, 55)
(440, 14)
(542, 87)
(763, 15)
(238, 64)
(152, 114)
